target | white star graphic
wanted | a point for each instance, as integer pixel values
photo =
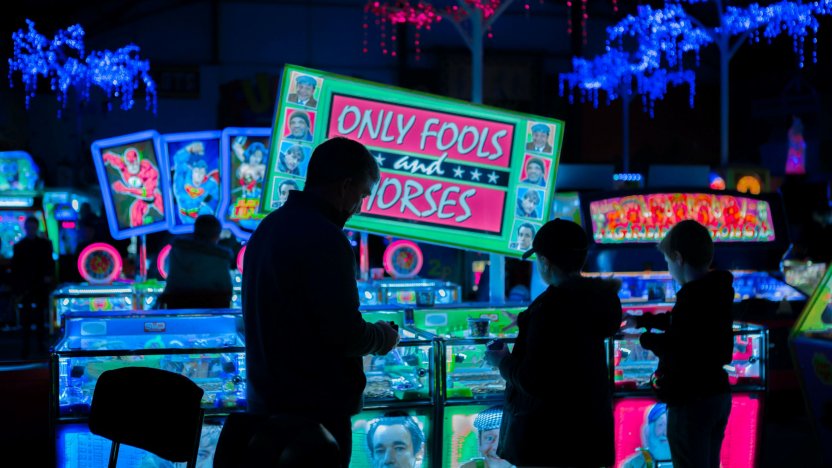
(458, 172)
(492, 178)
(380, 159)
(475, 174)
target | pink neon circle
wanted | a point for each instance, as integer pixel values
(99, 248)
(240, 257)
(396, 248)
(161, 261)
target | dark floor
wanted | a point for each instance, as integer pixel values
(787, 440)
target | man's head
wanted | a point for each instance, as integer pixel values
(207, 228)
(561, 248)
(293, 157)
(255, 153)
(487, 424)
(535, 170)
(395, 440)
(305, 87)
(132, 160)
(283, 190)
(343, 172)
(31, 226)
(529, 201)
(198, 170)
(299, 124)
(654, 432)
(687, 245)
(540, 135)
(525, 234)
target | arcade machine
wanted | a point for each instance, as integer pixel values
(811, 342)
(100, 265)
(207, 346)
(750, 236)
(62, 212)
(403, 260)
(21, 195)
(472, 391)
(401, 389)
(20, 198)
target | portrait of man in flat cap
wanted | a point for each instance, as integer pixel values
(304, 91)
(541, 141)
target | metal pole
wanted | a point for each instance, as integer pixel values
(625, 128)
(364, 257)
(142, 258)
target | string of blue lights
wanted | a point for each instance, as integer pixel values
(64, 63)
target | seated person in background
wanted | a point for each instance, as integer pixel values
(198, 273)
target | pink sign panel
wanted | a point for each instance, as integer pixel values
(436, 202)
(641, 432)
(388, 126)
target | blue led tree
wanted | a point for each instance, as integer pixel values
(665, 36)
(64, 63)
(620, 75)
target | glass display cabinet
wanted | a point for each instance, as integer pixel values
(207, 346)
(89, 297)
(640, 418)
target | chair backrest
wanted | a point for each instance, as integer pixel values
(152, 409)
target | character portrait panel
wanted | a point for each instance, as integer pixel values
(194, 179)
(134, 185)
(282, 188)
(293, 158)
(535, 170)
(393, 438)
(522, 234)
(245, 153)
(529, 203)
(304, 90)
(540, 137)
(298, 125)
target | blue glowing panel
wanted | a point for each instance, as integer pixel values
(130, 174)
(245, 157)
(18, 171)
(194, 179)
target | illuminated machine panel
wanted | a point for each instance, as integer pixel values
(648, 217)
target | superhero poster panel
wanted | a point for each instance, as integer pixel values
(130, 173)
(194, 177)
(245, 157)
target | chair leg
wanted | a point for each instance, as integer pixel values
(113, 455)
(197, 440)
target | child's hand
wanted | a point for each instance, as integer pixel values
(629, 322)
(495, 353)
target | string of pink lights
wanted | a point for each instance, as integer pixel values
(422, 15)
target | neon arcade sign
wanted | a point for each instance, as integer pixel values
(648, 218)
(451, 172)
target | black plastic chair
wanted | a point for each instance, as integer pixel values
(151, 409)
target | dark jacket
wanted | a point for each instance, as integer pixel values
(698, 340)
(558, 390)
(304, 334)
(197, 265)
(198, 275)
